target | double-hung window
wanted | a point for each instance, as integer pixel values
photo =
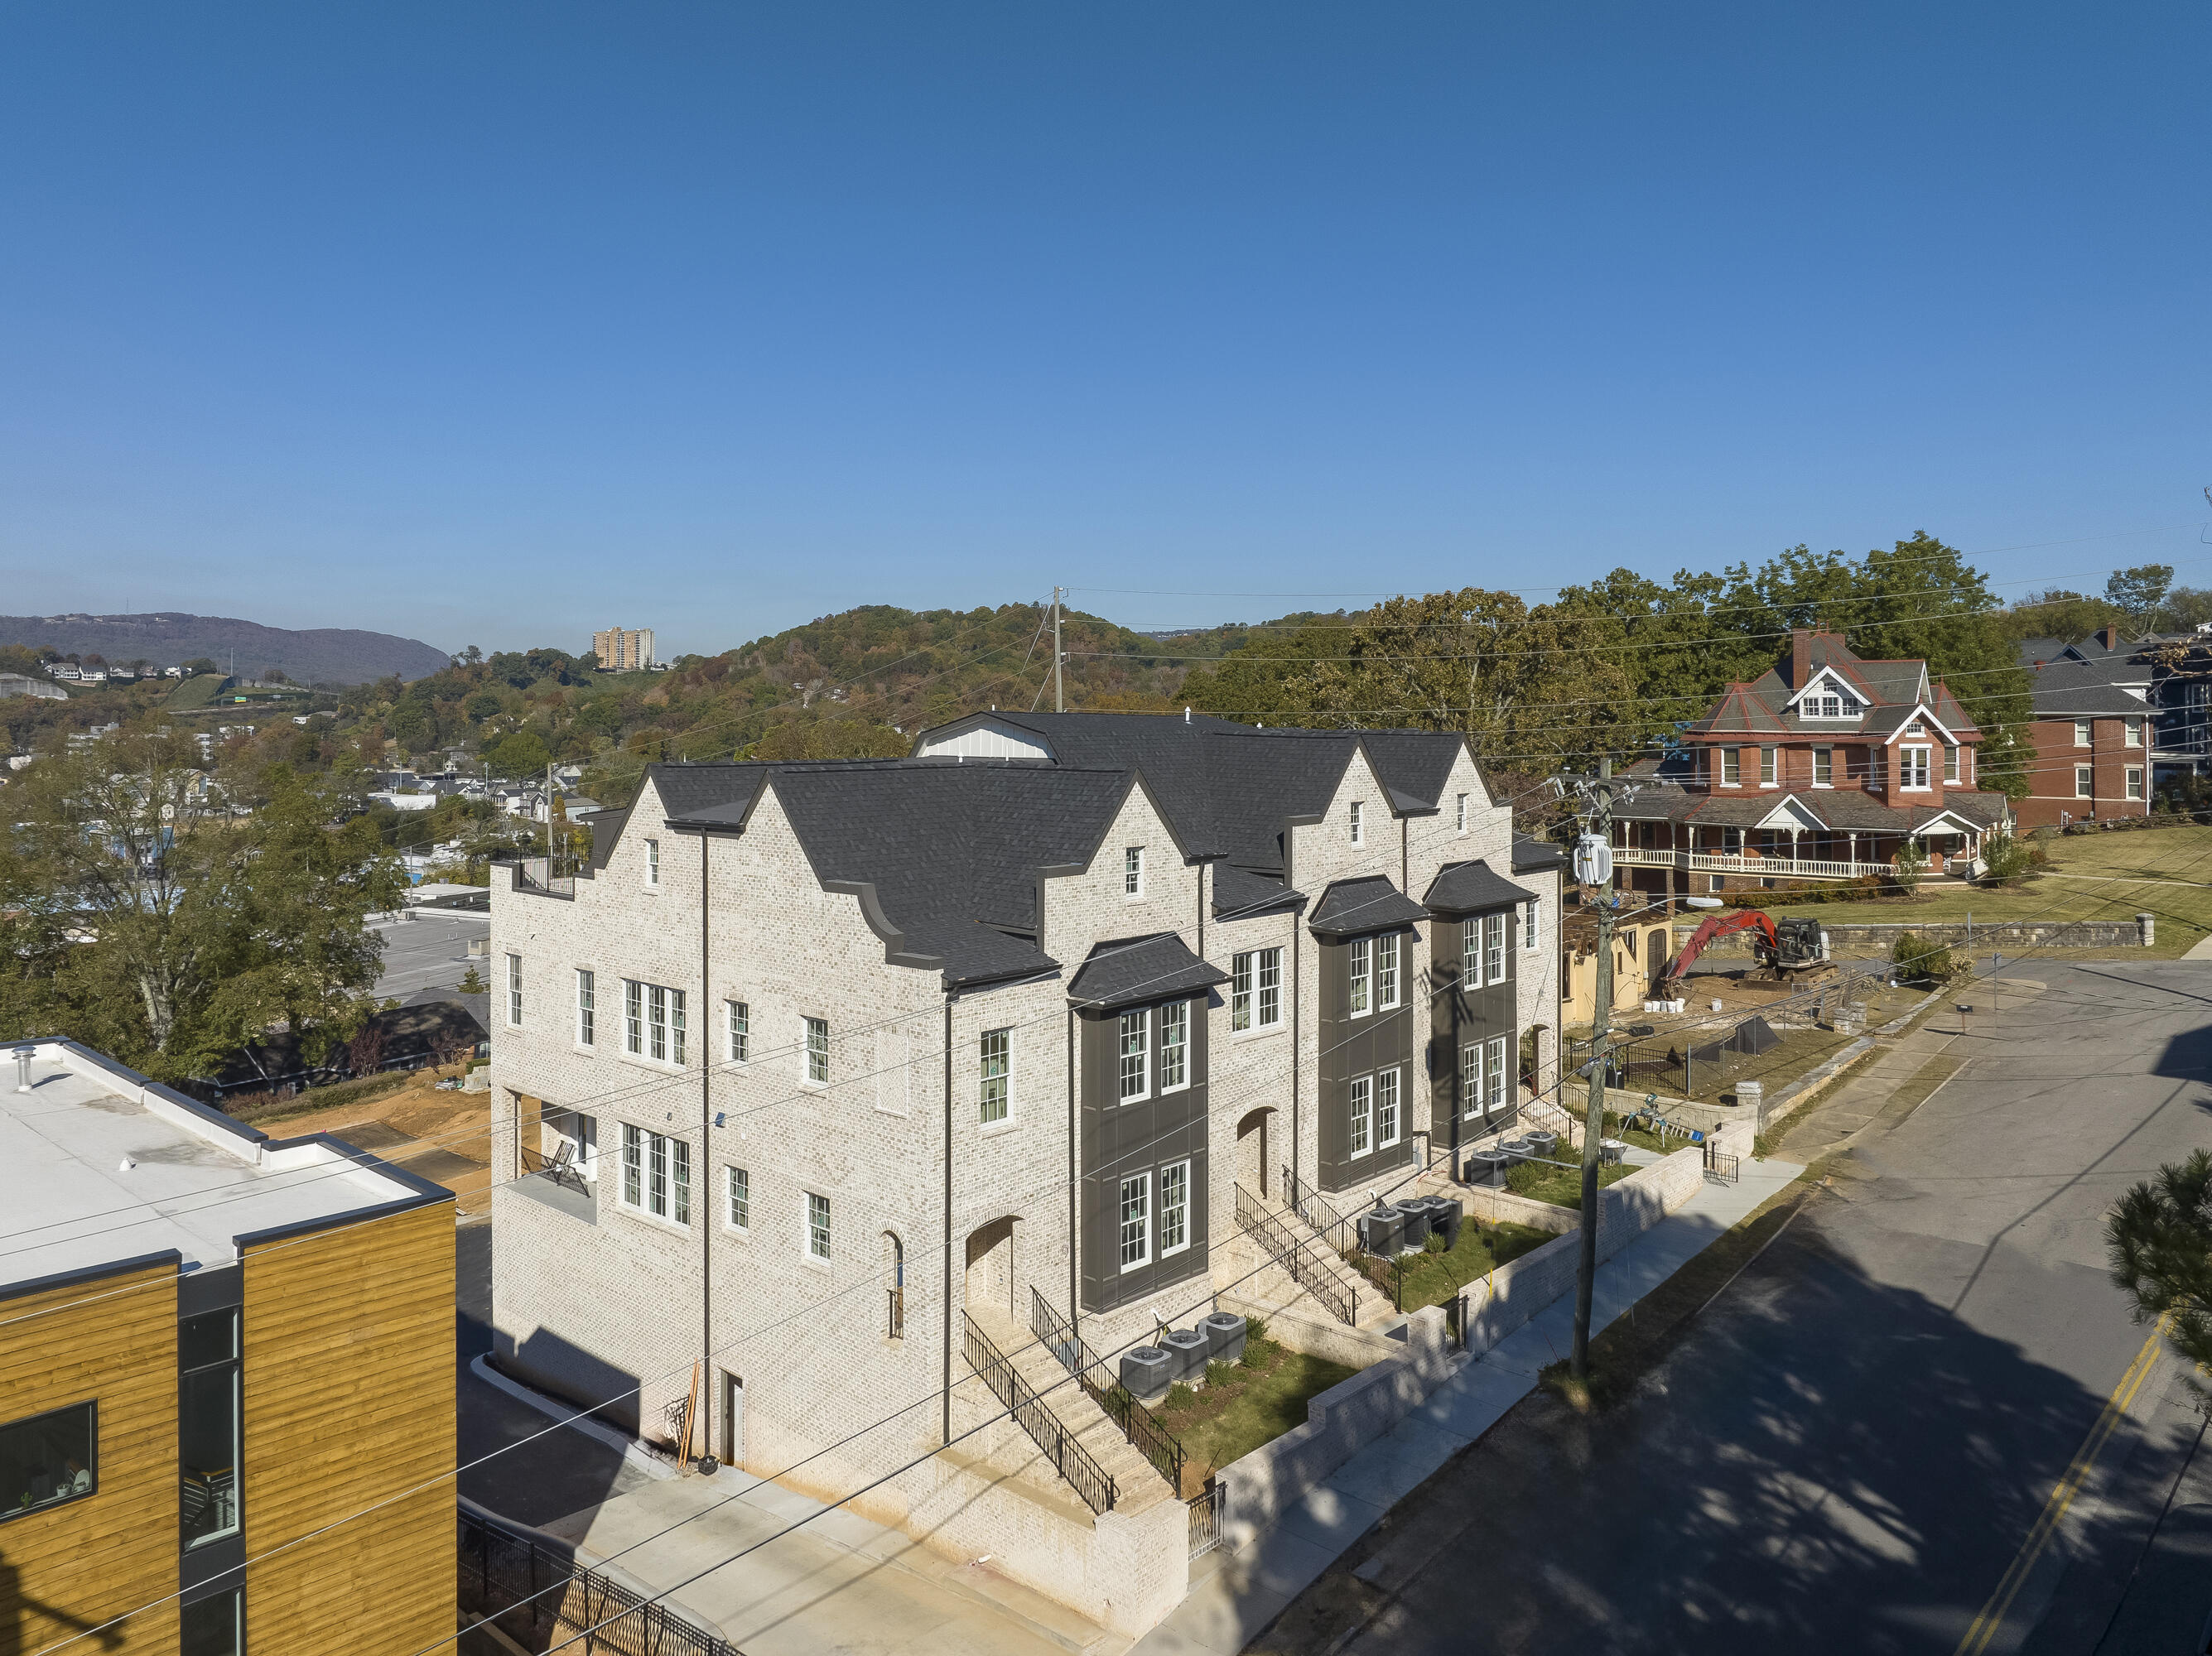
(1470, 1079)
(738, 1034)
(1362, 1115)
(1470, 950)
(1175, 1051)
(817, 1227)
(1731, 767)
(1494, 1074)
(737, 1192)
(656, 1174)
(664, 1023)
(585, 1022)
(817, 1051)
(1766, 767)
(2134, 728)
(1824, 768)
(1462, 814)
(1133, 1043)
(2134, 782)
(1912, 767)
(633, 1016)
(1358, 822)
(993, 1060)
(1386, 971)
(1531, 932)
(1136, 1236)
(1385, 1108)
(1950, 762)
(1132, 871)
(652, 862)
(2081, 732)
(2084, 782)
(1255, 988)
(1493, 948)
(1362, 969)
(1175, 1208)
(514, 990)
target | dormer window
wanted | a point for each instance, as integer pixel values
(1827, 704)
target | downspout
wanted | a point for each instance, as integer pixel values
(705, 1437)
(1405, 852)
(947, 1318)
(1074, 1299)
(1298, 1005)
(1201, 911)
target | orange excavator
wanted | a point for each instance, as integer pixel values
(1786, 949)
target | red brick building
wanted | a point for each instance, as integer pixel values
(2095, 721)
(1820, 769)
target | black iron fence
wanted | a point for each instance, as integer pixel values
(1046, 1430)
(535, 1592)
(1138, 1424)
(1338, 1232)
(1207, 1508)
(1306, 1268)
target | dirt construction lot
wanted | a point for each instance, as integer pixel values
(442, 1136)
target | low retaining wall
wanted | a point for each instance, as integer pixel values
(1510, 1296)
(1340, 1423)
(1881, 937)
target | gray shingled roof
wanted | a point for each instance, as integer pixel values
(1372, 904)
(1466, 888)
(1240, 892)
(1845, 810)
(1138, 969)
(1533, 856)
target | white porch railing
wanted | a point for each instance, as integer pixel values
(1707, 862)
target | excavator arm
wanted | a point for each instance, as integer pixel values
(1719, 926)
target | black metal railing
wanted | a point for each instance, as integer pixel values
(1207, 1508)
(1046, 1430)
(1338, 1232)
(1138, 1424)
(559, 1169)
(895, 1313)
(1721, 1166)
(538, 1594)
(1308, 1270)
(536, 874)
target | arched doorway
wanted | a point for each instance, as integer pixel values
(990, 1282)
(1252, 1170)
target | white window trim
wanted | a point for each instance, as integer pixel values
(737, 1042)
(2134, 783)
(2131, 730)
(1531, 926)
(1906, 767)
(807, 1199)
(1727, 756)
(1831, 753)
(1144, 1221)
(1359, 978)
(1470, 1081)
(2084, 733)
(653, 864)
(1395, 945)
(1133, 873)
(1494, 952)
(1461, 829)
(642, 1208)
(806, 1051)
(1144, 1016)
(1005, 1117)
(728, 1202)
(1397, 1090)
(588, 1009)
(1764, 754)
(1495, 1073)
(2085, 782)
(1358, 821)
(1159, 1066)
(1355, 1117)
(514, 1004)
(1165, 1252)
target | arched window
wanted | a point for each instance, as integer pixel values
(894, 1274)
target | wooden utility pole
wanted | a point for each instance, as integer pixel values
(1059, 687)
(1594, 1122)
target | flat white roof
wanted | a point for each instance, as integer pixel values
(99, 1166)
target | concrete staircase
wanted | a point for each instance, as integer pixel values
(1268, 1285)
(1010, 1450)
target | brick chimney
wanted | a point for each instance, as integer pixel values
(1800, 657)
(2109, 637)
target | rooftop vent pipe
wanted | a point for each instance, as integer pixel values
(23, 1068)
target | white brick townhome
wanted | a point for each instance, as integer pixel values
(850, 1055)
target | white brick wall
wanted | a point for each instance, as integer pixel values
(593, 1308)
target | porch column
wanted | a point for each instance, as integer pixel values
(1793, 847)
(1854, 851)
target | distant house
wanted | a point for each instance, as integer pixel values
(2096, 720)
(1822, 768)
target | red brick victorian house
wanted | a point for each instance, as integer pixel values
(1822, 769)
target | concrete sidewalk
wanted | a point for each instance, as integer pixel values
(1235, 1593)
(838, 1583)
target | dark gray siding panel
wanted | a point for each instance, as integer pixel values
(1120, 1140)
(1354, 1047)
(1465, 1017)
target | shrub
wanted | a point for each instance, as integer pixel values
(1911, 863)
(2009, 859)
(1918, 959)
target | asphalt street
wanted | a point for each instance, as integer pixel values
(1857, 1447)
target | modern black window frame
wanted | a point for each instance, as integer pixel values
(91, 1405)
(232, 1366)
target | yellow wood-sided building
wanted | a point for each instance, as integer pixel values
(226, 1378)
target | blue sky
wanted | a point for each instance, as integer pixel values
(496, 323)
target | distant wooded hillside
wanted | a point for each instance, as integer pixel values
(315, 655)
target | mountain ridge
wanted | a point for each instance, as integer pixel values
(167, 638)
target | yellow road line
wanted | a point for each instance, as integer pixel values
(1986, 1624)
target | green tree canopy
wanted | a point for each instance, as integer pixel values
(519, 755)
(2159, 1238)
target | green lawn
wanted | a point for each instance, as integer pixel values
(196, 692)
(2092, 876)
(1432, 1278)
(1245, 1405)
(1562, 1186)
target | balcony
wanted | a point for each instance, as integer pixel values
(1959, 864)
(559, 1185)
(534, 875)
